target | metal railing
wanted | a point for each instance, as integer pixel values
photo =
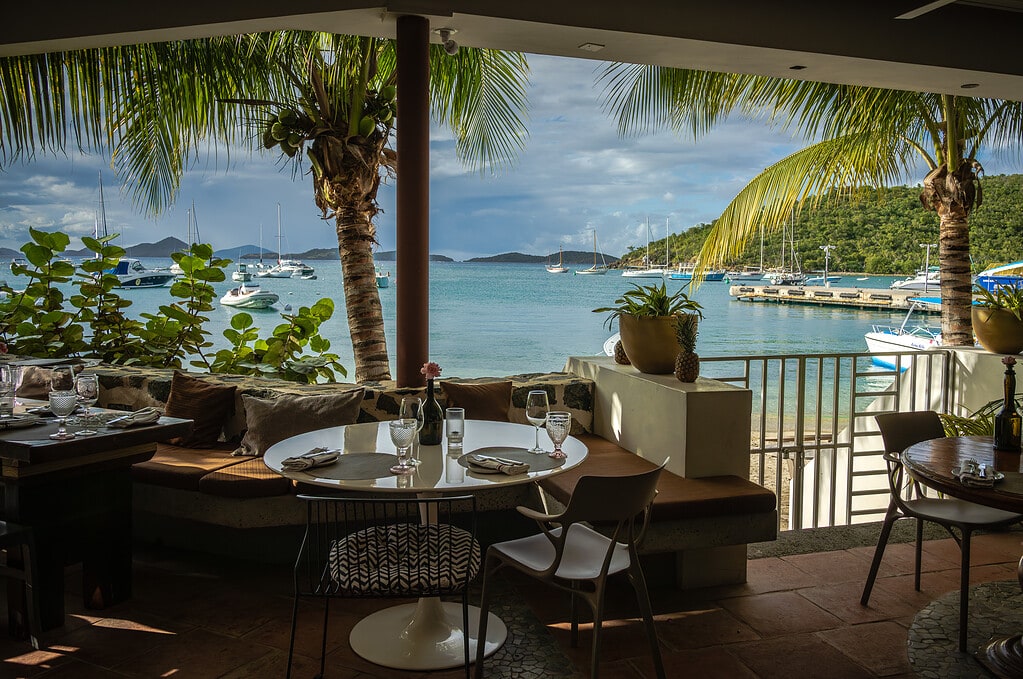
(813, 438)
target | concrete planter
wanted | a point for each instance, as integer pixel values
(650, 342)
(997, 330)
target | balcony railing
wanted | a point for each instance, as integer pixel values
(813, 439)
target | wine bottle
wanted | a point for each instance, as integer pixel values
(433, 419)
(1008, 421)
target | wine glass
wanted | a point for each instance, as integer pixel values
(558, 424)
(62, 378)
(62, 404)
(412, 409)
(8, 385)
(403, 432)
(87, 387)
(536, 412)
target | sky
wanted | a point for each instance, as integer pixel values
(575, 175)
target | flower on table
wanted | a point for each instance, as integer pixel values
(3, 347)
(431, 370)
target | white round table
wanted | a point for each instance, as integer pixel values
(426, 635)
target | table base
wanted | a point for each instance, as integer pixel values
(423, 636)
(1003, 657)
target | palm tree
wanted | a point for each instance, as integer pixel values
(314, 100)
(857, 137)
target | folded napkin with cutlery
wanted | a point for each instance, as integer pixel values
(137, 418)
(486, 464)
(975, 475)
(317, 457)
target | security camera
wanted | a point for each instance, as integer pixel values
(450, 46)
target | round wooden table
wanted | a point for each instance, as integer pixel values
(931, 462)
(426, 635)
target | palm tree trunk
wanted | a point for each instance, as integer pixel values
(956, 282)
(362, 298)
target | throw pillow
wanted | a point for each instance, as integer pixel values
(488, 401)
(208, 405)
(270, 420)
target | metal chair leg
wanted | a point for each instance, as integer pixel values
(489, 568)
(890, 517)
(964, 591)
(643, 598)
(919, 552)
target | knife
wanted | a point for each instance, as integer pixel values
(499, 460)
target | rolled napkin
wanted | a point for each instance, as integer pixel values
(139, 417)
(975, 475)
(485, 464)
(317, 457)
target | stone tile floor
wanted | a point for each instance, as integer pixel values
(797, 616)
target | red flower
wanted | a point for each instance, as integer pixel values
(431, 370)
(3, 347)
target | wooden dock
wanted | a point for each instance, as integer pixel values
(855, 298)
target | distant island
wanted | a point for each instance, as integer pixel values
(568, 257)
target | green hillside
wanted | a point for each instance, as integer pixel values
(878, 232)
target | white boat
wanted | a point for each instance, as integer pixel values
(595, 270)
(928, 280)
(906, 337)
(790, 273)
(1006, 275)
(249, 296)
(559, 267)
(285, 268)
(747, 275)
(821, 279)
(685, 273)
(785, 277)
(131, 273)
(650, 271)
(241, 274)
(193, 228)
(383, 279)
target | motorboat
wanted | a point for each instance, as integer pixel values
(131, 273)
(884, 339)
(249, 296)
(747, 275)
(595, 270)
(1007, 274)
(560, 266)
(924, 280)
(785, 277)
(383, 279)
(822, 279)
(241, 274)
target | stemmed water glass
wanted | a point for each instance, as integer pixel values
(63, 399)
(8, 385)
(412, 409)
(536, 412)
(558, 424)
(87, 388)
(403, 432)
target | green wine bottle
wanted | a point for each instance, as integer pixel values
(1008, 421)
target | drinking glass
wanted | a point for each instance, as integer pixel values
(454, 421)
(62, 378)
(412, 409)
(8, 385)
(62, 404)
(536, 412)
(87, 387)
(403, 432)
(558, 424)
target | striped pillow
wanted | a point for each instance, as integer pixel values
(208, 405)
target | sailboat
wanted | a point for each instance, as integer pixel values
(793, 273)
(285, 268)
(595, 270)
(193, 226)
(651, 271)
(130, 273)
(560, 266)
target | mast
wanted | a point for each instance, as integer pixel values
(102, 207)
(279, 254)
(666, 264)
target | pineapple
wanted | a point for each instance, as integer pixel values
(620, 356)
(687, 364)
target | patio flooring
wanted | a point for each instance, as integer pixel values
(798, 615)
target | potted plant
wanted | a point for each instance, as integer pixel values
(648, 317)
(997, 320)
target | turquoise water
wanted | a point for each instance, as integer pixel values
(504, 319)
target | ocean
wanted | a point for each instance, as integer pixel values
(505, 319)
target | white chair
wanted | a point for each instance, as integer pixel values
(572, 556)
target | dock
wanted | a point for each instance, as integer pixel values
(879, 299)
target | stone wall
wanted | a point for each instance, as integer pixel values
(131, 388)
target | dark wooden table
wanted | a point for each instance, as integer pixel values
(76, 497)
(932, 462)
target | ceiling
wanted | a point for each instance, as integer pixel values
(945, 44)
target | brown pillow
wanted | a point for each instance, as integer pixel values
(270, 420)
(208, 405)
(489, 401)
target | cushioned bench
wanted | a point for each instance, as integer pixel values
(688, 514)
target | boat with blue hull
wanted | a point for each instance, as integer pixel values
(1006, 275)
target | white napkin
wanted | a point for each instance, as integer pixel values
(139, 417)
(485, 464)
(317, 457)
(974, 475)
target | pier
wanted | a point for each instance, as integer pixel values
(857, 298)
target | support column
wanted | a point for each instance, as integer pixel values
(412, 293)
